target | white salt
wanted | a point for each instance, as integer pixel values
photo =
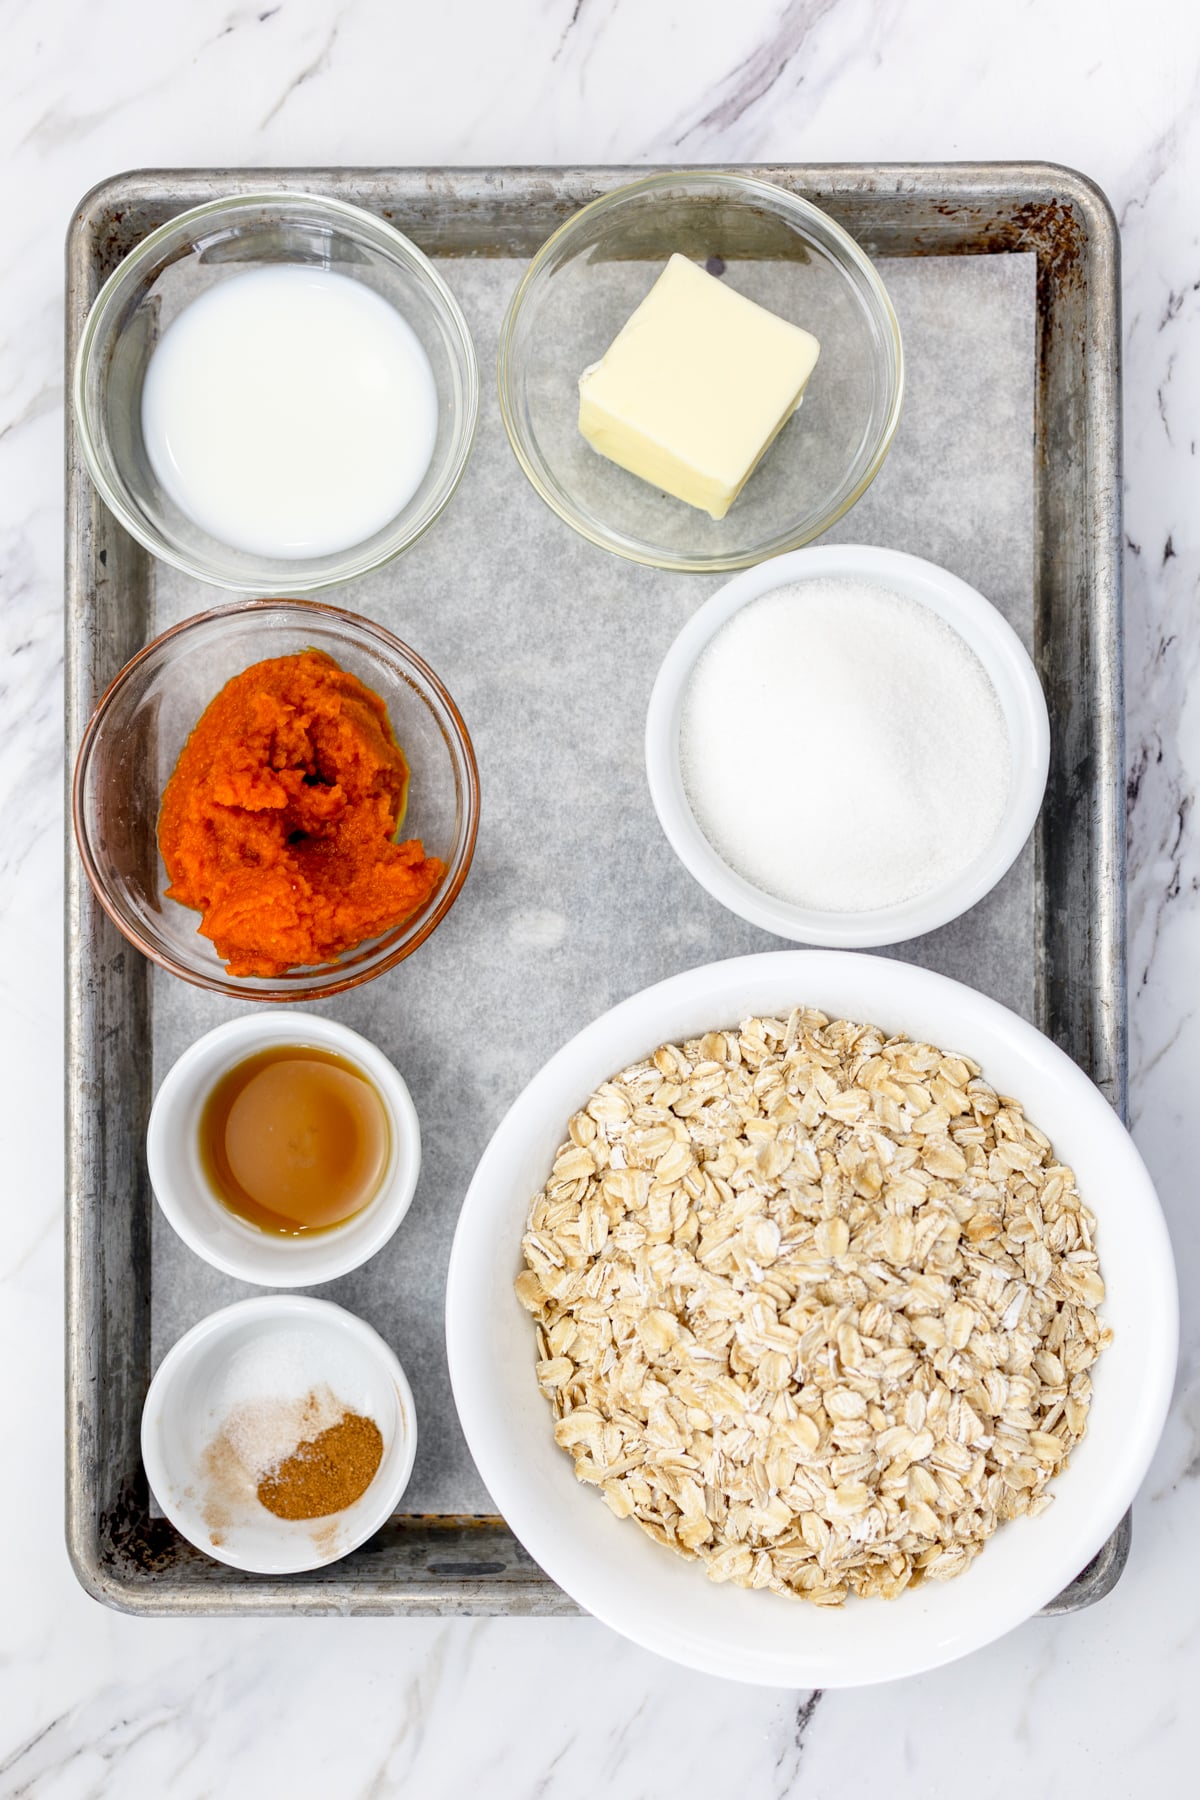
(843, 748)
(261, 1433)
(274, 1364)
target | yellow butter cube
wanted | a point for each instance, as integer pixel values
(692, 392)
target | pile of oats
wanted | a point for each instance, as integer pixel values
(814, 1305)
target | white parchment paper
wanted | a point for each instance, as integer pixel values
(575, 900)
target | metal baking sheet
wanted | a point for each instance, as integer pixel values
(1004, 469)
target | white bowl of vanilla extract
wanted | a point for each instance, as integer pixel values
(284, 1149)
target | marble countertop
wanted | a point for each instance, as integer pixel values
(96, 1704)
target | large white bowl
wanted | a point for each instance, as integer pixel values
(659, 1600)
(1017, 689)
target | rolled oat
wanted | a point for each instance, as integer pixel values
(814, 1305)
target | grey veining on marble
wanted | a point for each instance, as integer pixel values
(94, 1704)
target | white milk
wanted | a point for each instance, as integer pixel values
(289, 411)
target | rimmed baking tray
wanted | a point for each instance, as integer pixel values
(575, 900)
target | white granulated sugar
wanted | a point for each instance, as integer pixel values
(274, 1365)
(843, 748)
(278, 1388)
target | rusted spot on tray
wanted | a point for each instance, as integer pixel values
(132, 1539)
(447, 1522)
(1049, 228)
(467, 1571)
(130, 1535)
(119, 237)
(1052, 231)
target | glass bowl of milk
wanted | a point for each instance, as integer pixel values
(276, 392)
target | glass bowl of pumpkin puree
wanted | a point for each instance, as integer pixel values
(276, 800)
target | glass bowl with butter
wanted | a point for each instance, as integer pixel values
(700, 370)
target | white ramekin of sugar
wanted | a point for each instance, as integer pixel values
(847, 746)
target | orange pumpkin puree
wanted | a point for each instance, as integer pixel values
(279, 822)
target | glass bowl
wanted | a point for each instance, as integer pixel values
(181, 260)
(134, 738)
(772, 246)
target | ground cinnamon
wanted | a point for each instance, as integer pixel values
(325, 1474)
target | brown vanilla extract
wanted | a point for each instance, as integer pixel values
(294, 1139)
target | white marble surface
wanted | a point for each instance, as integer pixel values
(99, 1705)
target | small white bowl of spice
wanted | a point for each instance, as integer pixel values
(847, 746)
(279, 1434)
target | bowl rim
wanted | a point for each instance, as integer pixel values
(491, 1210)
(985, 631)
(227, 984)
(245, 582)
(281, 1307)
(744, 186)
(272, 1262)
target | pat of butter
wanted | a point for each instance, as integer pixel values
(691, 393)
